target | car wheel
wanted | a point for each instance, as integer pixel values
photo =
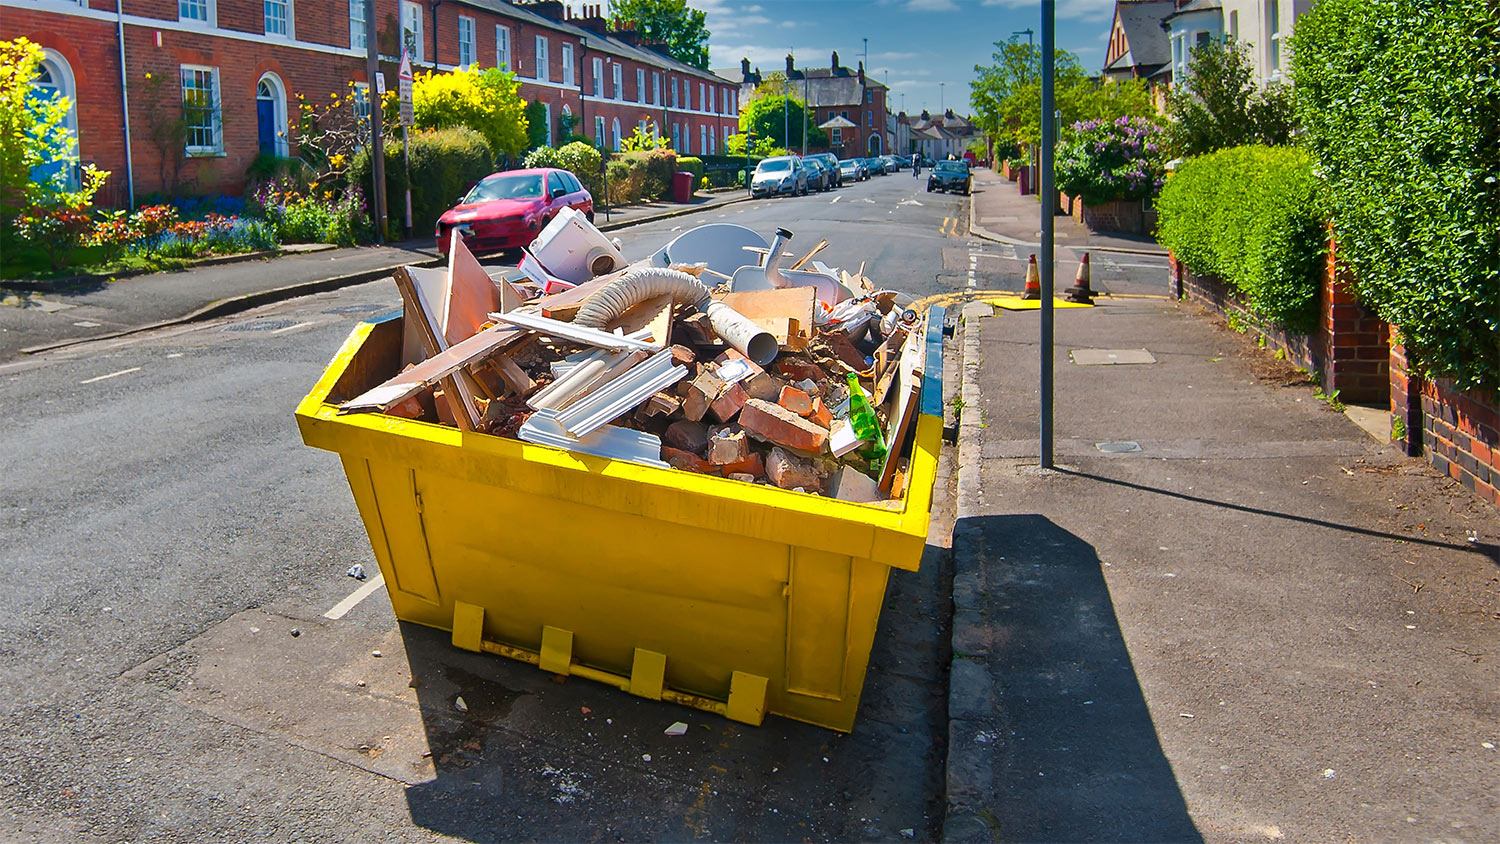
(590, 216)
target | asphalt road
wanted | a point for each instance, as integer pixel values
(166, 533)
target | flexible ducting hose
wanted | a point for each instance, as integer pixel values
(643, 283)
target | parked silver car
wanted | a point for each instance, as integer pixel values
(854, 169)
(784, 174)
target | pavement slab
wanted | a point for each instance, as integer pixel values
(1262, 625)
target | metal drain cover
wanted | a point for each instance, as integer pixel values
(1122, 447)
(1106, 357)
(261, 325)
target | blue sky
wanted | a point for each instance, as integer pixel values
(914, 44)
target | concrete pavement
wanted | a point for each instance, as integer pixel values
(38, 321)
(1228, 615)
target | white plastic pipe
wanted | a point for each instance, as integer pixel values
(639, 285)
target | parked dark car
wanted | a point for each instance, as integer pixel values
(830, 163)
(508, 210)
(894, 163)
(854, 169)
(784, 174)
(877, 166)
(950, 176)
(818, 177)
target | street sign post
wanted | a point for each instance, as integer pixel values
(377, 147)
(404, 80)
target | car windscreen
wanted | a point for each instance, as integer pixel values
(952, 167)
(770, 166)
(525, 186)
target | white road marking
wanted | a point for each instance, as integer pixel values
(111, 375)
(296, 327)
(175, 355)
(835, 199)
(365, 590)
(675, 229)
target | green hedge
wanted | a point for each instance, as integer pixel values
(1249, 215)
(692, 165)
(1400, 102)
(444, 164)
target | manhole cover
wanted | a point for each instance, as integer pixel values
(1124, 447)
(1105, 357)
(261, 325)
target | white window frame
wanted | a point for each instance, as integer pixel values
(567, 65)
(711, 90)
(210, 11)
(599, 139)
(357, 25)
(616, 127)
(702, 137)
(216, 111)
(411, 21)
(1273, 38)
(543, 59)
(617, 76)
(502, 46)
(674, 92)
(655, 87)
(598, 66)
(702, 95)
(291, 30)
(466, 45)
(547, 121)
(640, 85)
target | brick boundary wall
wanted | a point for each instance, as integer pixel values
(1458, 432)
(1304, 350)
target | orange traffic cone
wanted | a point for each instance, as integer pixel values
(1033, 280)
(1080, 291)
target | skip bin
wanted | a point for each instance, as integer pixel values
(729, 597)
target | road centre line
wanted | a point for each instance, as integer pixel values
(111, 375)
(365, 590)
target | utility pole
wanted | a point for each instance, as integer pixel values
(804, 113)
(1049, 220)
(942, 98)
(377, 147)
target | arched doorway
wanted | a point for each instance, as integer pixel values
(270, 115)
(875, 144)
(54, 79)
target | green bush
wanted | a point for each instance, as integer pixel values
(626, 181)
(1400, 102)
(657, 167)
(541, 157)
(445, 163)
(582, 160)
(1249, 215)
(1111, 159)
(695, 166)
(536, 125)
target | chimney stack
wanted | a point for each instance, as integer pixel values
(833, 66)
(790, 66)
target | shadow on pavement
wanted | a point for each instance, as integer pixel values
(1488, 549)
(1077, 758)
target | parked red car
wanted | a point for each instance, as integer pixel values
(508, 210)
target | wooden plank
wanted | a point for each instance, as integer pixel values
(472, 294)
(902, 413)
(652, 314)
(457, 390)
(798, 303)
(822, 244)
(565, 305)
(434, 369)
(787, 331)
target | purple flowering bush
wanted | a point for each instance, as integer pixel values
(1112, 159)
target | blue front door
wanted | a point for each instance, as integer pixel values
(265, 114)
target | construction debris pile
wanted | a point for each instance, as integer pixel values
(707, 357)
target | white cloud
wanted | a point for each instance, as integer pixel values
(931, 6)
(893, 56)
(1084, 10)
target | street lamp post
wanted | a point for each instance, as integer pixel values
(1026, 32)
(942, 99)
(1049, 140)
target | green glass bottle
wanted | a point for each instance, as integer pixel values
(866, 424)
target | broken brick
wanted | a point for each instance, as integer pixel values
(795, 400)
(727, 445)
(683, 355)
(820, 414)
(702, 393)
(729, 403)
(798, 369)
(789, 471)
(763, 386)
(687, 461)
(776, 425)
(752, 465)
(687, 436)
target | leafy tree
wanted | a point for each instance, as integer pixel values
(779, 118)
(536, 125)
(488, 101)
(1007, 95)
(1219, 106)
(639, 141)
(761, 148)
(33, 131)
(673, 22)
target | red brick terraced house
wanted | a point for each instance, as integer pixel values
(231, 70)
(833, 91)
